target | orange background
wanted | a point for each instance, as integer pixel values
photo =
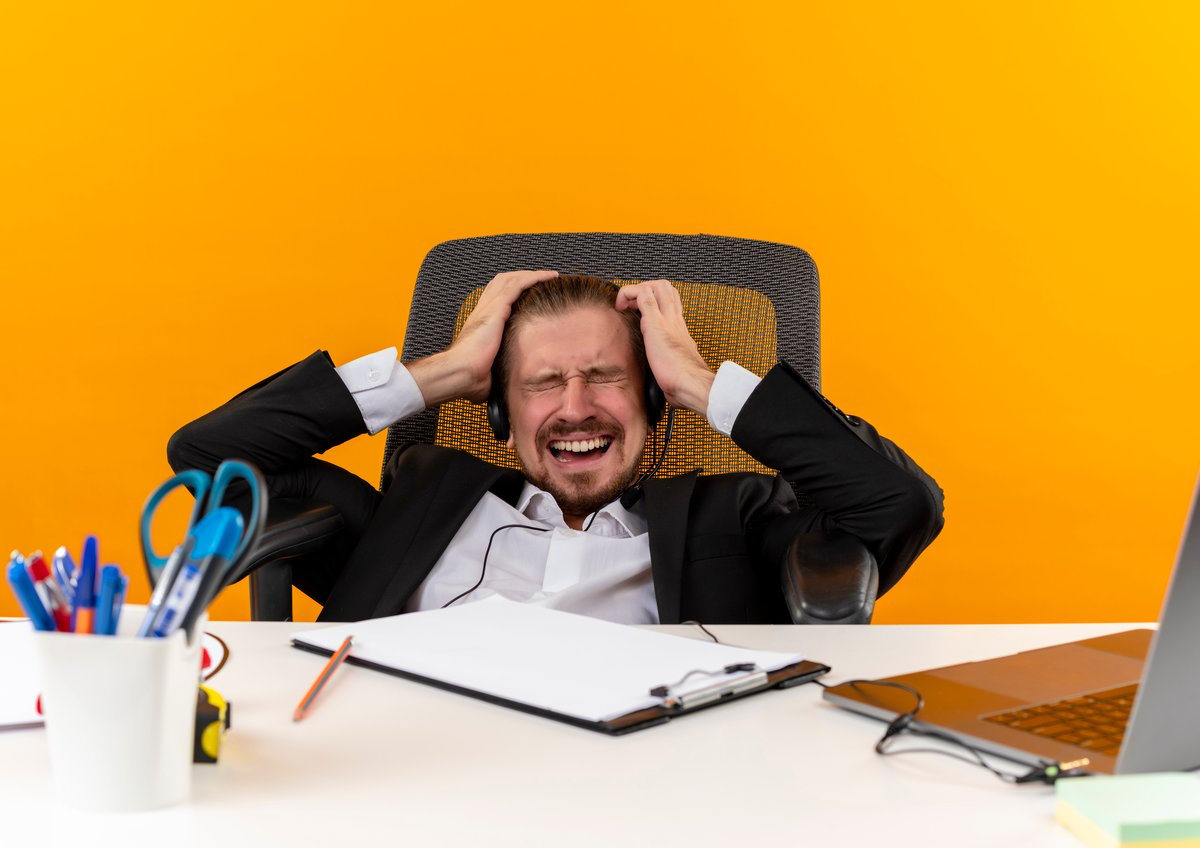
(999, 199)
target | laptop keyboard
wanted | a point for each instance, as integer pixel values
(1096, 721)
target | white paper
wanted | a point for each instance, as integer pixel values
(19, 681)
(579, 666)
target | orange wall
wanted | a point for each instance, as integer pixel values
(999, 200)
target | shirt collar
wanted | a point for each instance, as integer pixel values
(612, 519)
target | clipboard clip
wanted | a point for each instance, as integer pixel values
(756, 679)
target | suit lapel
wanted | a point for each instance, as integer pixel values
(460, 485)
(667, 503)
(433, 492)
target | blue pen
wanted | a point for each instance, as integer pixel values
(108, 606)
(85, 591)
(91, 554)
(27, 596)
(119, 601)
(64, 572)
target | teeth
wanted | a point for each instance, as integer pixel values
(581, 446)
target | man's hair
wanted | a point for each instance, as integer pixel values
(558, 296)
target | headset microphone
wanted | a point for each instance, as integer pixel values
(634, 493)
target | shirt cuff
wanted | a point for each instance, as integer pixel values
(383, 389)
(730, 390)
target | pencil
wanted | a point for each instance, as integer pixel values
(322, 678)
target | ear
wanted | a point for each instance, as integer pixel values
(512, 442)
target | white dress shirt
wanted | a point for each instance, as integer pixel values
(604, 572)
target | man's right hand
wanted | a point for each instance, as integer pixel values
(464, 370)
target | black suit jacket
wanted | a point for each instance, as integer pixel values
(716, 541)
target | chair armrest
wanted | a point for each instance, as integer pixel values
(830, 578)
(294, 527)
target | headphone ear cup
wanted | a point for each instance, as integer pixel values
(656, 401)
(497, 415)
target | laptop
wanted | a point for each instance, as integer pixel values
(1126, 702)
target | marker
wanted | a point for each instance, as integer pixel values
(163, 586)
(108, 607)
(85, 590)
(182, 594)
(27, 596)
(52, 596)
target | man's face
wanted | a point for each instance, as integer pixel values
(576, 407)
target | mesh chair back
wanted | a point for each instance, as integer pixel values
(749, 341)
(750, 301)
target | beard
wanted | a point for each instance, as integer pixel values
(584, 492)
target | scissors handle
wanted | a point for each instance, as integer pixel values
(234, 469)
(194, 479)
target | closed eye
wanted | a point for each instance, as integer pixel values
(592, 378)
(544, 384)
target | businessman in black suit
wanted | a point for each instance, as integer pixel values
(567, 361)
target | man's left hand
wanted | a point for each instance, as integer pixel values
(670, 349)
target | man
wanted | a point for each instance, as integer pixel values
(570, 357)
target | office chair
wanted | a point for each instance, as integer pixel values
(750, 301)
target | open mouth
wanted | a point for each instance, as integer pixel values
(575, 450)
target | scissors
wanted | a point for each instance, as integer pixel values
(216, 541)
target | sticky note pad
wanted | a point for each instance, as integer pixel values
(1159, 810)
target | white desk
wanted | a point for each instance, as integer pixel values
(381, 757)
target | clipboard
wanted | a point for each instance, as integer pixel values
(570, 668)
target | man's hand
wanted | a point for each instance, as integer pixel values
(670, 349)
(464, 370)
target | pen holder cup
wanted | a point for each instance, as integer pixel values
(120, 715)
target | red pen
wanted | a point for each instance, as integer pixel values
(51, 594)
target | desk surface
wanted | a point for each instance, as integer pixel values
(379, 756)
